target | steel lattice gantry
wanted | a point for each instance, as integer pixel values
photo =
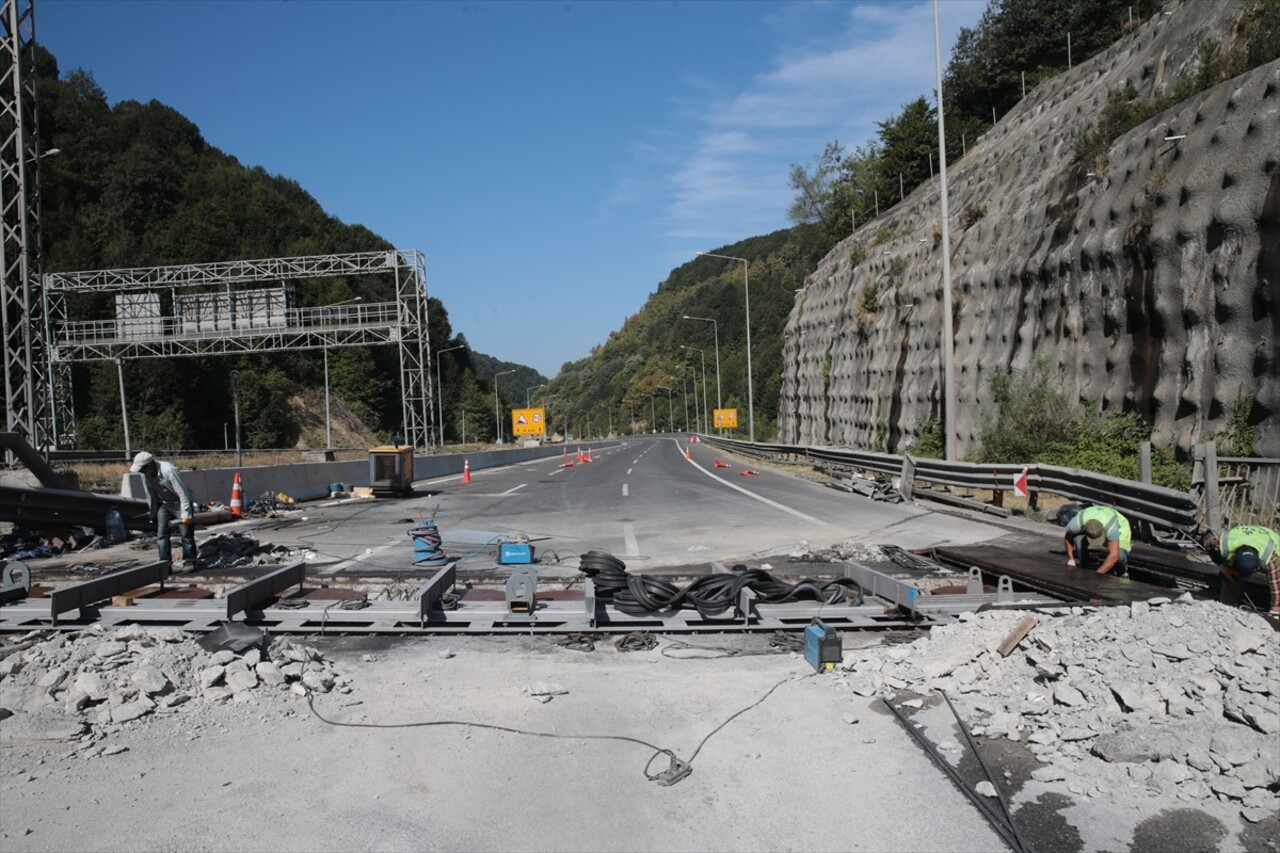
(215, 328)
(22, 320)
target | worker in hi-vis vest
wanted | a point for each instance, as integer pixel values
(1243, 551)
(1101, 527)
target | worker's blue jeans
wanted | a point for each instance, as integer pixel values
(1091, 561)
(165, 519)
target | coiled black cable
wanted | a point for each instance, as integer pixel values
(711, 594)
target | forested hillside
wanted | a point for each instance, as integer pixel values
(137, 185)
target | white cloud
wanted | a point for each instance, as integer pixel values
(734, 181)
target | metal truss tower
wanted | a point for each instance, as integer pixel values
(215, 310)
(22, 315)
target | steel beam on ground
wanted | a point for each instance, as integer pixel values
(1051, 576)
(429, 593)
(249, 596)
(31, 507)
(83, 594)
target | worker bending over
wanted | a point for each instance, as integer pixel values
(1095, 526)
(169, 499)
(1242, 552)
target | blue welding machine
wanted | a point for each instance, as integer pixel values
(822, 646)
(515, 554)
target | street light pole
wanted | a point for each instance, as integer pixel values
(716, 326)
(705, 422)
(496, 416)
(235, 399)
(328, 419)
(527, 390)
(746, 289)
(653, 416)
(440, 393)
(948, 343)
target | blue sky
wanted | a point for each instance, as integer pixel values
(554, 161)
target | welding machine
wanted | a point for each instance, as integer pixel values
(515, 553)
(822, 646)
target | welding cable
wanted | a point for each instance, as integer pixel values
(636, 641)
(427, 542)
(657, 750)
(578, 642)
(677, 769)
(780, 643)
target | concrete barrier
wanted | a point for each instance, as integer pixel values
(310, 480)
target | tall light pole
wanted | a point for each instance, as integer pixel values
(528, 390)
(706, 423)
(716, 326)
(496, 416)
(328, 416)
(746, 291)
(440, 392)
(653, 416)
(235, 399)
(948, 344)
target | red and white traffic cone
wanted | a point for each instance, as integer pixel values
(237, 497)
(466, 470)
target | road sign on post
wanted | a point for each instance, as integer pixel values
(726, 419)
(528, 422)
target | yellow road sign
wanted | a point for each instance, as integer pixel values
(528, 422)
(726, 419)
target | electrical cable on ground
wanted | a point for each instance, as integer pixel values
(780, 643)
(677, 768)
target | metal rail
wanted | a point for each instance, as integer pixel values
(31, 507)
(1163, 507)
(477, 611)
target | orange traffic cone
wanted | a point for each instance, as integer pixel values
(589, 459)
(720, 464)
(686, 452)
(237, 497)
(466, 470)
(747, 472)
(564, 451)
(581, 458)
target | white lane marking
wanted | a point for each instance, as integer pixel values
(797, 513)
(355, 561)
(624, 490)
(628, 472)
(513, 490)
(629, 536)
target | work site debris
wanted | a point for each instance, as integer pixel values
(850, 549)
(33, 545)
(93, 684)
(235, 550)
(1170, 700)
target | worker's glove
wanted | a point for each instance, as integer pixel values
(1071, 563)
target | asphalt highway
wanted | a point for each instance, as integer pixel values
(639, 499)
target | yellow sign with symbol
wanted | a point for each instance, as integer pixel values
(528, 422)
(726, 419)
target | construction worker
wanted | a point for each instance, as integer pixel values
(1095, 526)
(1243, 551)
(169, 499)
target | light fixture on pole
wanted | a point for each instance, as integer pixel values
(497, 417)
(746, 289)
(328, 419)
(527, 390)
(719, 404)
(440, 393)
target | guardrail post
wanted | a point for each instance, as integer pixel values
(1212, 498)
(907, 476)
(1144, 474)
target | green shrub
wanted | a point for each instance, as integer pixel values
(932, 443)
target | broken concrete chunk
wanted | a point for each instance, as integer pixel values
(149, 679)
(92, 685)
(270, 673)
(211, 675)
(109, 649)
(131, 711)
(27, 727)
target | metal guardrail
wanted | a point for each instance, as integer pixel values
(1236, 490)
(1160, 506)
(31, 507)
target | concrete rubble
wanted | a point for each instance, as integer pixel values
(1171, 700)
(90, 685)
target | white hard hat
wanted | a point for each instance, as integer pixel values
(142, 460)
